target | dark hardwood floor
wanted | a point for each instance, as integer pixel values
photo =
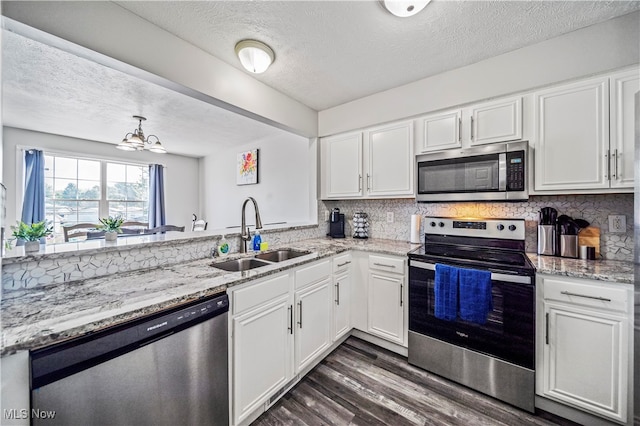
(361, 384)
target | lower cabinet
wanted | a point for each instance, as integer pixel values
(386, 298)
(341, 295)
(313, 322)
(585, 338)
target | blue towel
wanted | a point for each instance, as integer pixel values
(446, 292)
(475, 295)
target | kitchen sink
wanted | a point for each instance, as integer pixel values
(281, 255)
(243, 264)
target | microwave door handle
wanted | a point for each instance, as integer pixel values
(502, 171)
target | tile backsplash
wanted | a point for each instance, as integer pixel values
(593, 208)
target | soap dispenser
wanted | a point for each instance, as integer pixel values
(223, 247)
(256, 241)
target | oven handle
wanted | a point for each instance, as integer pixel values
(494, 276)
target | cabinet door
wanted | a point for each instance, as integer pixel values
(390, 160)
(624, 86)
(586, 359)
(262, 347)
(313, 322)
(441, 131)
(386, 306)
(572, 127)
(341, 305)
(497, 121)
(342, 166)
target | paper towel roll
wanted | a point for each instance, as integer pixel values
(415, 228)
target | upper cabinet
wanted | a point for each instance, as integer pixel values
(483, 123)
(376, 163)
(584, 134)
(622, 88)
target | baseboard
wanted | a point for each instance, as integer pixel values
(393, 347)
(573, 414)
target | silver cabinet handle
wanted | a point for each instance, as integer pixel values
(290, 328)
(616, 176)
(338, 293)
(359, 182)
(386, 266)
(368, 182)
(460, 129)
(568, 293)
(340, 265)
(401, 296)
(608, 172)
(546, 328)
(472, 127)
(300, 306)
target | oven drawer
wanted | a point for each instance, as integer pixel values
(591, 293)
(387, 263)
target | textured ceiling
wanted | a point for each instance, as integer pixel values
(332, 52)
(327, 53)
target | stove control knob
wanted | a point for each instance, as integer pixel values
(441, 224)
(433, 224)
(500, 227)
(512, 227)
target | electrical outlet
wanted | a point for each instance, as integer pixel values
(326, 215)
(618, 223)
(389, 217)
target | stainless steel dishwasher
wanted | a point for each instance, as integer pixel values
(169, 368)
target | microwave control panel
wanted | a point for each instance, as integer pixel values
(515, 171)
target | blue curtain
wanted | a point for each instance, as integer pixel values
(33, 204)
(156, 196)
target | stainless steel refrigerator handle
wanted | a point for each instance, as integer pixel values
(502, 171)
(568, 293)
(518, 279)
(300, 306)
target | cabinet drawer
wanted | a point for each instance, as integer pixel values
(584, 293)
(386, 263)
(256, 294)
(341, 262)
(312, 273)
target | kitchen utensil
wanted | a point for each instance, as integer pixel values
(590, 236)
(581, 223)
(547, 239)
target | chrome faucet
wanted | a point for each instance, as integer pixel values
(246, 235)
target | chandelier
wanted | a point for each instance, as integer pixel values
(136, 141)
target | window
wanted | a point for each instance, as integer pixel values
(81, 190)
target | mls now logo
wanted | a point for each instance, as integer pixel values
(17, 414)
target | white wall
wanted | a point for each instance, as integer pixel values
(286, 183)
(606, 46)
(107, 28)
(181, 174)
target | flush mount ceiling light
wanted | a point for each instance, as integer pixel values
(404, 8)
(136, 141)
(254, 56)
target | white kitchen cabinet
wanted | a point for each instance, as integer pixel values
(313, 322)
(386, 298)
(584, 355)
(341, 295)
(261, 343)
(572, 136)
(376, 163)
(477, 124)
(623, 87)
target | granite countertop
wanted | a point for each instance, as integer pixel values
(603, 270)
(41, 316)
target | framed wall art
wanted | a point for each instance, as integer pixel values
(247, 169)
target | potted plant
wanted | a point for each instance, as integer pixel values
(111, 227)
(31, 234)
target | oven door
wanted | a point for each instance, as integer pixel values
(509, 332)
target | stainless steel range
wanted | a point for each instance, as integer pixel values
(477, 266)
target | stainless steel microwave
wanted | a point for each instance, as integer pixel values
(483, 173)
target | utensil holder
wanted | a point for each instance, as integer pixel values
(569, 246)
(547, 239)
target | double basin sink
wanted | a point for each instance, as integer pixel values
(262, 259)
